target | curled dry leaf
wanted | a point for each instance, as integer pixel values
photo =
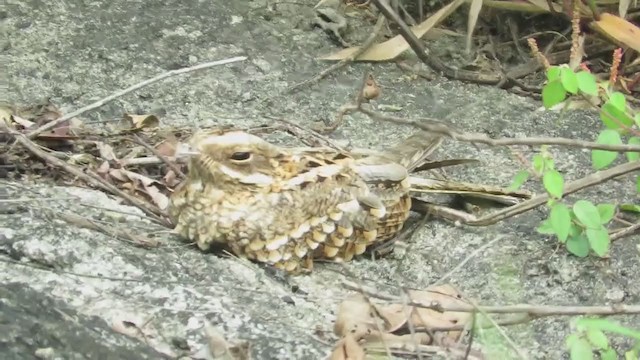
(138, 122)
(388, 325)
(443, 295)
(347, 349)
(355, 318)
(150, 186)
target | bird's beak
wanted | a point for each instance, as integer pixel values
(185, 151)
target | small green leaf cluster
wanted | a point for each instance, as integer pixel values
(590, 337)
(582, 227)
(615, 114)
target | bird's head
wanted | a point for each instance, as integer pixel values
(234, 157)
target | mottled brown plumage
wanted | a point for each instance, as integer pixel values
(285, 207)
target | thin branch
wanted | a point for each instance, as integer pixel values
(101, 102)
(532, 310)
(91, 178)
(83, 222)
(587, 181)
(171, 165)
(437, 127)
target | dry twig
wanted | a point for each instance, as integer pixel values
(101, 102)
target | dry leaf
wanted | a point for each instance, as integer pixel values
(106, 151)
(474, 13)
(544, 5)
(170, 179)
(150, 186)
(23, 122)
(141, 121)
(444, 295)
(167, 147)
(619, 30)
(395, 46)
(347, 349)
(6, 115)
(623, 6)
(355, 317)
(103, 169)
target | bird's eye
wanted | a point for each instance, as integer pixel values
(241, 156)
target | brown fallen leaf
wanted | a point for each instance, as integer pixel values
(355, 317)
(395, 46)
(167, 147)
(385, 326)
(26, 124)
(150, 186)
(106, 151)
(618, 30)
(170, 179)
(139, 122)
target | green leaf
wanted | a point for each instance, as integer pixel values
(606, 212)
(587, 83)
(578, 245)
(560, 221)
(602, 158)
(598, 339)
(618, 100)
(612, 117)
(631, 355)
(569, 80)
(608, 354)
(553, 183)
(599, 240)
(553, 93)
(572, 338)
(581, 350)
(538, 163)
(553, 73)
(519, 179)
(638, 184)
(633, 156)
(637, 119)
(546, 228)
(608, 325)
(587, 213)
(630, 207)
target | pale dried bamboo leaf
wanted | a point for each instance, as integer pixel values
(395, 46)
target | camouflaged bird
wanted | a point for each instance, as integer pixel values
(285, 207)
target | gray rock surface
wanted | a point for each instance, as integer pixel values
(69, 293)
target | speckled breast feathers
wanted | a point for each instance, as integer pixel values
(279, 206)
